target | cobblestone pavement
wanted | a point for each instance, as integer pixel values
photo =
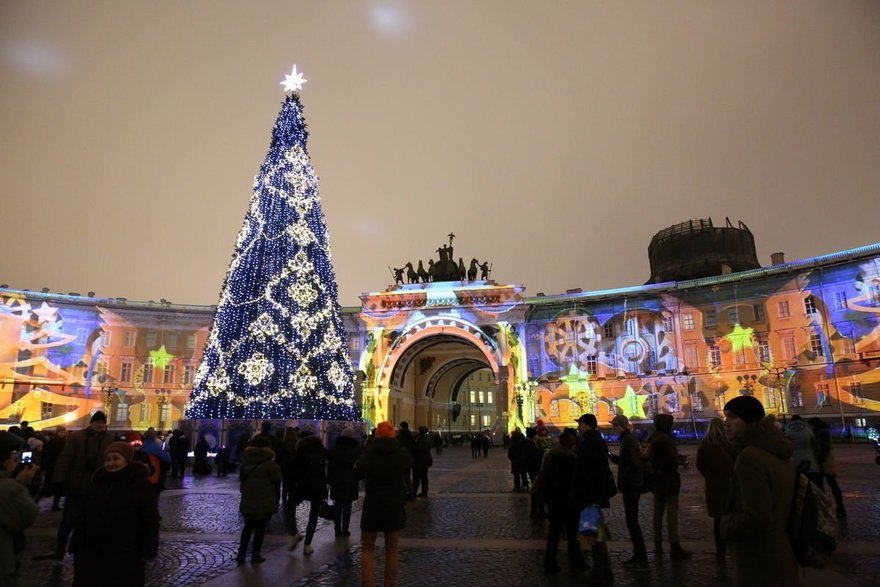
(472, 530)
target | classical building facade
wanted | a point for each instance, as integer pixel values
(462, 356)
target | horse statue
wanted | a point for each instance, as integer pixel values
(430, 269)
(462, 272)
(472, 270)
(411, 275)
(423, 275)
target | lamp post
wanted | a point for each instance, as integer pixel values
(525, 390)
(747, 384)
(161, 401)
(109, 391)
(777, 382)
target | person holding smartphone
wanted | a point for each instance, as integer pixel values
(19, 511)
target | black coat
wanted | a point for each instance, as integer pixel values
(118, 529)
(341, 475)
(260, 483)
(422, 458)
(595, 483)
(311, 469)
(383, 465)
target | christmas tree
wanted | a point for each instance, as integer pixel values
(277, 346)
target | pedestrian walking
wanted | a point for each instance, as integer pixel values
(18, 511)
(666, 485)
(827, 461)
(383, 464)
(343, 479)
(51, 452)
(178, 446)
(83, 454)
(422, 461)
(518, 456)
(630, 481)
(715, 463)
(311, 487)
(260, 486)
(408, 442)
(555, 486)
(118, 530)
(754, 526)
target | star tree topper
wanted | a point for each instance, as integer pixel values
(293, 81)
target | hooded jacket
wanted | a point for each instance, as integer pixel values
(755, 525)
(260, 483)
(804, 444)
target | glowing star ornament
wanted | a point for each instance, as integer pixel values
(293, 81)
(161, 357)
(631, 404)
(740, 338)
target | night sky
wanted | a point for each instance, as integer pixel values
(553, 138)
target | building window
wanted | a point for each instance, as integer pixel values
(125, 372)
(816, 345)
(150, 340)
(733, 316)
(171, 340)
(632, 326)
(473, 418)
(148, 371)
(592, 365)
(667, 323)
(764, 351)
(489, 396)
(687, 321)
(810, 305)
(714, 356)
(121, 411)
(789, 351)
(609, 330)
(486, 418)
(855, 389)
(611, 360)
(168, 375)
(354, 342)
(690, 357)
(480, 396)
(782, 309)
(190, 342)
(47, 410)
(188, 374)
(130, 338)
(82, 334)
(840, 300)
(472, 396)
(710, 319)
(847, 345)
(145, 411)
(796, 395)
(105, 339)
(875, 292)
(823, 400)
(760, 316)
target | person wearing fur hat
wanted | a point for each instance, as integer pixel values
(18, 511)
(383, 464)
(260, 492)
(83, 454)
(666, 487)
(118, 530)
(754, 526)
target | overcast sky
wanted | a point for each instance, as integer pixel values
(555, 138)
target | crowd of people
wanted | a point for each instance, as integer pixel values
(107, 488)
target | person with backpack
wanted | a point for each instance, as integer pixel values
(157, 459)
(755, 525)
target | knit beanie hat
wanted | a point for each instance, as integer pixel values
(98, 416)
(385, 430)
(745, 407)
(122, 448)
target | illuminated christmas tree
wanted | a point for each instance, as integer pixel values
(277, 346)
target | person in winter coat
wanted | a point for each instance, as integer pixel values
(594, 486)
(83, 454)
(422, 461)
(534, 460)
(666, 485)
(408, 442)
(17, 510)
(518, 456)
(754, 526)
(201, 466)
(827, 462)
(555, 485)
(343, 479)
(178, 446)
(804, 444)
(383, 465)
(51, 452)
(311, 459)
(260, 486)
(715, 463)
(630, 479)
(287, 461)
(118, 530)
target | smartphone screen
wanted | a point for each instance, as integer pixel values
(26, 457)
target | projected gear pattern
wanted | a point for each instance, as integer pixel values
(571, 340)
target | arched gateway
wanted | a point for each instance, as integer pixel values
(446, 355)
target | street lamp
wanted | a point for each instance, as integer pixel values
(162, 400)
(747, 384)
(109, 391)
(524, 390)
(777, 383)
